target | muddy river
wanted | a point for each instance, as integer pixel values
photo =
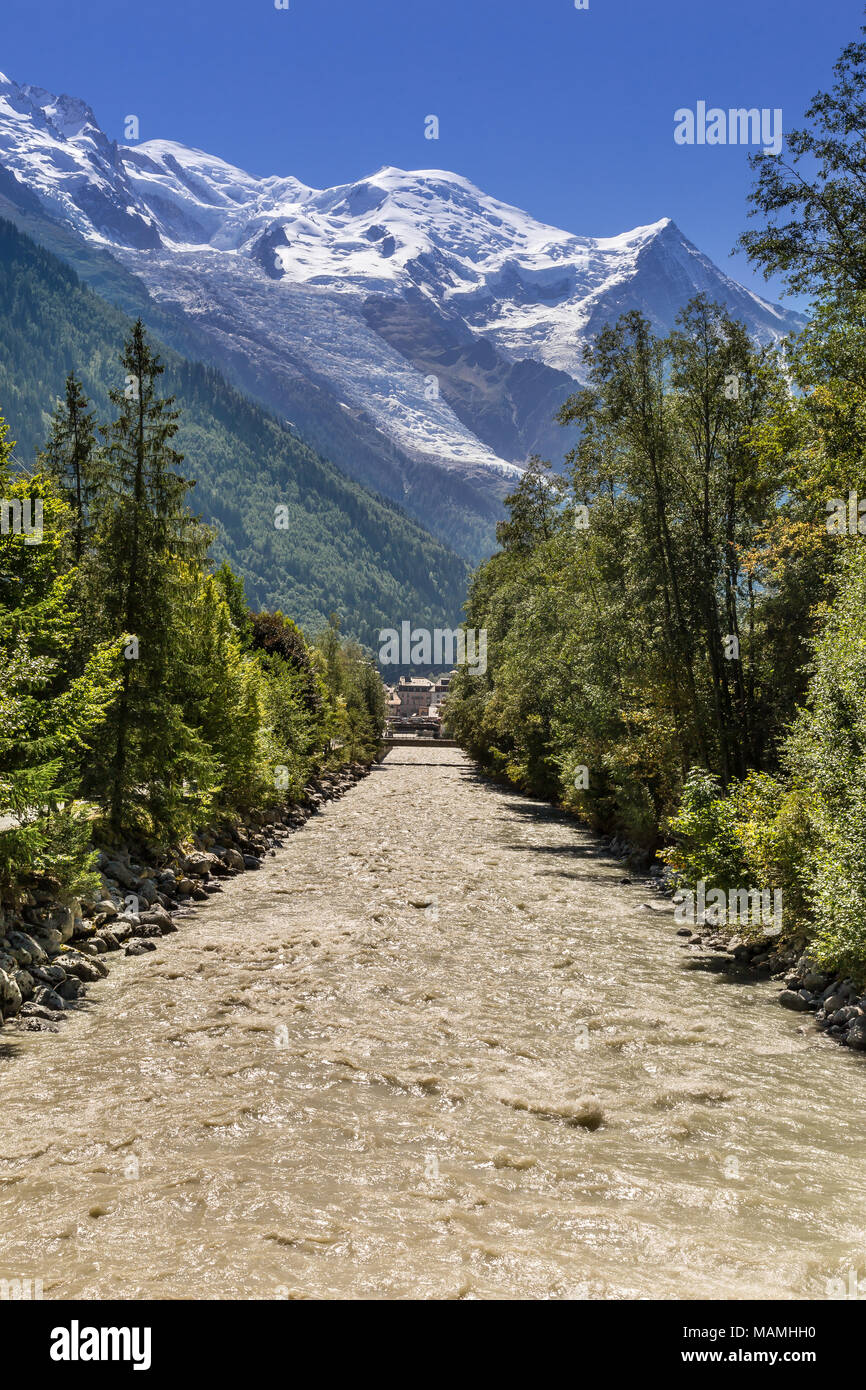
(435, 1048)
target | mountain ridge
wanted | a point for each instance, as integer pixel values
(420, 332)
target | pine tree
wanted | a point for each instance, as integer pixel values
(70, 457)
(143, 531)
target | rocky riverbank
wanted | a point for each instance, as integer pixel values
(50, 951)
(836, 1003)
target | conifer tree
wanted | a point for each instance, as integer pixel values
(143, 531)
(70, 457)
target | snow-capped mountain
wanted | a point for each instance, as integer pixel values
(445, 322)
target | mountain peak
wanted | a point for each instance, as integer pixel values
(449, 324)
(68, 115)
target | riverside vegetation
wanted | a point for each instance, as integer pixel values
(676, 635)
(155, 735)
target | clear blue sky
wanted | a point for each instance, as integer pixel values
(566, 113)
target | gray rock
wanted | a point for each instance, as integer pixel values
(250, 862)
(847, 1015)
(835, 1003)
(790, 999)
(233, 859)
(815, 982)
(50, 939)
(49, 999)
(84, 968)
(140, 948)
(155, 917)
(33, 1010)
(49, 974)
(26, 984)
(200, 863)
(10, 996)
(23, 945)
(70, 989)
(121, 873)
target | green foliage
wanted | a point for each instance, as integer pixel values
(139, 697)
(828, 758)
(707, 844)
(760, 834)
(49, 710)
(355, 715)
(629, 612)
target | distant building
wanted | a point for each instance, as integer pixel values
(418, 696)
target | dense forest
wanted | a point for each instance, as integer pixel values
(333, 546)
(677, 628)
(139, 695)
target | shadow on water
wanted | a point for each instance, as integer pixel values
(726, 971)
(383, 767)
(561, 851)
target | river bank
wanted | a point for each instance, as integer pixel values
(50, 950)
(835, 1002)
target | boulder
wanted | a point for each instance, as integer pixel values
(49, 999)
(49, 939)
(121, 873)
(200, 863)
(154, 917)
(815, 982)
(39, 1011)
(790, 999)
(83, 967)
(24, 948)
(52, 975)
(148, 930)
(26, 984)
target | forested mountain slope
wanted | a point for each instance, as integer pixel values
(342, 549)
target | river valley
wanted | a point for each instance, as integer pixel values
(435, 1048)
